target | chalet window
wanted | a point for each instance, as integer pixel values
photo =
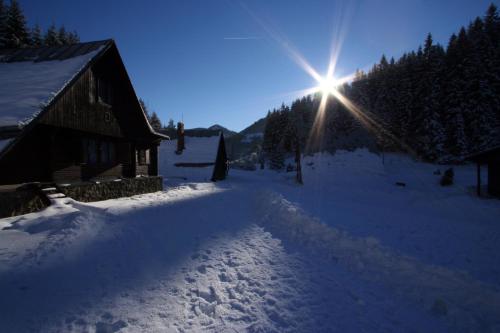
(104, 91)
(104, 152)
(143, 156)
(89, 151)
(95, 152)
(107, 152)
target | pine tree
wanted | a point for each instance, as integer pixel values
(430, 131)
(155, 122)
(171, 124)
(481, 100)
(274, 134)
(16, 32)
(73, 38)
(62, 36)
(492, 23)
(3, 24)
(454, 91)
(492, 31)
(36, 39)
(51, 36)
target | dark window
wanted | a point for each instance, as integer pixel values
(95, 152)
(107, 152)
(104, 153)
(143, 156)
(112, 152)
(104, 91)
(89, 151)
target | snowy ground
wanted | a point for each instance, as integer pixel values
(347, 252)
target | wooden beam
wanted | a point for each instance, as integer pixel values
(478, 179)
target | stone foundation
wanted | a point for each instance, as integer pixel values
(90, 191)
(19, 200)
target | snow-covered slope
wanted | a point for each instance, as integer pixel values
(348, 251)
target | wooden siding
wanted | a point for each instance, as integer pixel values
(77, 109)
(101, 172)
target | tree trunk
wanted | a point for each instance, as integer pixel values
(297, 161)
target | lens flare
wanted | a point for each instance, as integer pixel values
(328, 85)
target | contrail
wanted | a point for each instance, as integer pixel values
(241, 38)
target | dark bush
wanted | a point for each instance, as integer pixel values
(447, 178)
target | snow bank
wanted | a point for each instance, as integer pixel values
(469, 304)
(29, 86)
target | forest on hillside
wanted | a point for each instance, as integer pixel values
(437, 103)
(15, 32)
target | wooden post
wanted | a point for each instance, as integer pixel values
(478, 179)
(297, 161)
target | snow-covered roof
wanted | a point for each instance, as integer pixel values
(32, 78)
(199, 150)
(4, 143)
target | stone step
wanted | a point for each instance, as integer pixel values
(55, 196)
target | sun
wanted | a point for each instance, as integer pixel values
(327, 86)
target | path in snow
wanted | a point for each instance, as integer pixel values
(178, 261)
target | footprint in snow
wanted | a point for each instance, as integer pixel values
(102, 327)
(223, 277)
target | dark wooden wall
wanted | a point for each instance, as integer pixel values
(28, 161)
(494, 175)
(77, 110)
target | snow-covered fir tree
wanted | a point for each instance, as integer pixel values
(62, 36)
(16, 32)
(36, 38)
(51, 37)
(3, 24)
(73, 38)
(155, 121)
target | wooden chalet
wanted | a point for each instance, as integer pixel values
(194, 158)
(70, 114)
(491, 158)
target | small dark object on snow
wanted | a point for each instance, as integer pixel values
(289, 168)
(447, 178)
(400, 184)
(437, 172)
(439, 308)
(310, 164)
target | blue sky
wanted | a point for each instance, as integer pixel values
(214, 62)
